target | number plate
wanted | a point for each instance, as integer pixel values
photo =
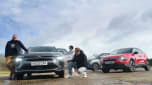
(39, 63)
(109, 62)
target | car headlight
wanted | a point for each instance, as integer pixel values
(18, 59)
(60, 58)
(122, 58)
(54, 61)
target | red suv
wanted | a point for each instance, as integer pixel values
(127, 59)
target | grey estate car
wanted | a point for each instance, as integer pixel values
(95, 63)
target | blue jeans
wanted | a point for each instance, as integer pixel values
(70, 66)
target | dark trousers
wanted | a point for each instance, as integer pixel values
(70, 66)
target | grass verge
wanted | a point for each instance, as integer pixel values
(4, 73)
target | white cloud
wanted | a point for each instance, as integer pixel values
(2, 45)
(94, 25)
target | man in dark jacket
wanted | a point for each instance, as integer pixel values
(80, 58)
(80, 61)
(13, 49)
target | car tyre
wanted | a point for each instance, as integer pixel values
(147, 67)
(105, 70)
(29, 75)
(125, 70)
(19, 76)
(95, 67)
(60, 74)
(132, 67)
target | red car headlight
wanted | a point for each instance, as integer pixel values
(122, 58)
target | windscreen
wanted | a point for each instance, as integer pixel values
(122, 51)
(42, 49)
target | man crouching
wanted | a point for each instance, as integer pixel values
(80, 61)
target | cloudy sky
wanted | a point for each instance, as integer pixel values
(96, 26)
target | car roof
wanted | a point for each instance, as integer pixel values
(61, 48)
(42, 46)
(130, 48)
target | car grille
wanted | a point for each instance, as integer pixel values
(38, 59)
(39, 67)
(110, 59)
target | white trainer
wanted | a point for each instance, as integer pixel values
(85, 75)
(68, 76)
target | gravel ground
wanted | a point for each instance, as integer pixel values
(140, 77)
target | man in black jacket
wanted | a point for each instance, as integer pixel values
(13, 49)
(80, 60)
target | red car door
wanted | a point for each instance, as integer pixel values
(136, 56)
(141, 56)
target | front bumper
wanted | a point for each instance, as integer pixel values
(25, 67)
(115, 66)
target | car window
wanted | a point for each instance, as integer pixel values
(140, 51)
(122, 51)
(64, 51)
(134, 50)
(137, 50)
(100, 57)
(42, 49)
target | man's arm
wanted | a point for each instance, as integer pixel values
(6, 49)
(22, 46)
(74, 58)
(85, 61)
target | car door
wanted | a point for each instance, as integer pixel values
(136, 56)
(141, 56)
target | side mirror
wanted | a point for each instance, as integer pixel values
(135, 52)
